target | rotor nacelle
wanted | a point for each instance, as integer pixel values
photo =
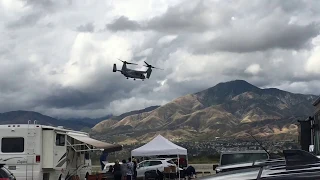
(149, 70)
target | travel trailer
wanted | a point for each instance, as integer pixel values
(39, 152)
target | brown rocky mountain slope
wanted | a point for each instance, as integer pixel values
(227, 109)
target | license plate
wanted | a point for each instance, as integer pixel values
(12, 167)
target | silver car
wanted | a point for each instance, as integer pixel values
(297, 165)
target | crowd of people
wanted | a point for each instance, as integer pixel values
(125, 171)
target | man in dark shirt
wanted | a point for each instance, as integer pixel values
(103, 157)
(190, 171)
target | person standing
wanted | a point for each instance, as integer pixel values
(130, 169)
(117, 174)
(103, 158)
(135, 169)
(124, 169)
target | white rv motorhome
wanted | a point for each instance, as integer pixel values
(39, 152)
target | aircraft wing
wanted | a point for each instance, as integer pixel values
(137, 72)
(141, 72)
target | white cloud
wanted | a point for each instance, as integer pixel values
(145, 52)
(313, 63)
(253, 69)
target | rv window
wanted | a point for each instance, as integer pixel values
(12, 145)
(86, 155)
(60, 140)
(82, 148)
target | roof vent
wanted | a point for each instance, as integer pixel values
(61, 127)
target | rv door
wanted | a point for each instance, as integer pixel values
(60, 151)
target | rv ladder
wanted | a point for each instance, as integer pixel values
(30, 147)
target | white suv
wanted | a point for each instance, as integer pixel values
(153, 164)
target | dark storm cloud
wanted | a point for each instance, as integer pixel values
(179, 19)
(48, 6)
(106, 87)
(228, 37)
(89, 27)
(259, 31)
(123, 23)
(270, 36)
(69, 98)
(26, 20)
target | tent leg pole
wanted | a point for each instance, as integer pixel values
(178, 166)
(187, 160)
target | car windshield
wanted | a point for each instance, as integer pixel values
(170, 161)
(237, 158)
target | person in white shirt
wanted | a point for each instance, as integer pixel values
(124, 169)
(130, 171)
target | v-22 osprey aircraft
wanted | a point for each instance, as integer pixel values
(135, 74)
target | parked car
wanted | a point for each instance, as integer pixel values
(297, 165)
(153, 164)
(107, 166)
(235, 160)
(5, 173)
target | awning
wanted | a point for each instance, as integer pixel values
(98, 145)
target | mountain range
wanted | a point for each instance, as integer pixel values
(230, 109)
(22, 117)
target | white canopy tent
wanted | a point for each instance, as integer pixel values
(160, 146)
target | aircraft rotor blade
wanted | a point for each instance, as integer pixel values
(146, 63)
(157, 68)
(127, 62)
(153, 67)
(132, 63)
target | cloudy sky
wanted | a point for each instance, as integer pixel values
(56, 57)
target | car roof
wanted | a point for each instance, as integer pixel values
(157, 159)
(166, 159)
(248, 151)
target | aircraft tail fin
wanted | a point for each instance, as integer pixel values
(114, 68)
